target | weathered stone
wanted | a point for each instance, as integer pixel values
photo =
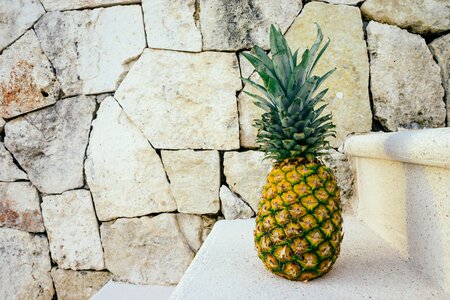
(2, 124)
(16, 17)
(208, 223)
(172, 25)
(347, 2)
(49, 144)
(192, 94)
(8, 170)
(340, 166)
(405, 80)
(27, 81)
(146, 250)
(246, 67)
(51, 5)
(234, 25)
(440, 48)
(137, 185)
(78, 285)
(246, 174)
(25, 266)
(194, 180)
(348, 94)
(72, 230)
(19, 207)
(424, 17)
(232, 206)
(92, 50)
(191, 227)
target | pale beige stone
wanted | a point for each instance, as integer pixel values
(405, 80)
(8, 170)
(50, 144)
(78, 285)
(246, 67)
(72, 230)
(192, 94)
(92, 50)
(424, 17)
(191, 226)
(246, 174)
(25, 264)
(232, 206)
(172, 25)
(146, 250)
(235, 25)
(348, 94)
(208, 224)
(20, 207)
(16, 17)
(51, 5)
(123, 171)
(347, 2)
(27, 81)
(194, 180)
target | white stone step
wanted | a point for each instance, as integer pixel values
(123, 291)
(227, 267)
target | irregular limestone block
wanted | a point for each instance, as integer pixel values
(25, 266)
(234, 25)
(192, 94)
(246, 67)
(72, 230)
(440, 48)
(123, 171)
(405, 80)
(16, 16)
(232, 206)
(246, 174)
(347, 2)
(27, 81)
(78, 285)
(91, 50)
(348, 94)
(19, 207)
(8, 170)
(424, 17)
(146, 250)
(51, 5)
(172, 25)
(50, 143)
(191, 226)
(194, 180)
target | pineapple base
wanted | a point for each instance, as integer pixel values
(299, 221)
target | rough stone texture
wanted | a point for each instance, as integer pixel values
(424, 17)
(50, 143)
(78, 285)
(246, 67)
(16, 16)
(348, 94)
(92, 50)
(146, 250)
(27, 81)
(8, 170)
(208, 224)
(19, 207)
(194, 180)
(440, 48)
(25, 266)
(191, 226)
(405, 80)
(340, 166)
(172, 25)
(192, 94)
(72, 230)
(232, 206)
(246, 174)
(123, 171)
(234, 25)
(51, 5)
(347, 2)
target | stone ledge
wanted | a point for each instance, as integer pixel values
(423, 147)
(226, 267)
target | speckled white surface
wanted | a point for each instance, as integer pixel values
(226, 267)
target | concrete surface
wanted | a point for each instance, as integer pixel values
(123, 291)
(227, 267)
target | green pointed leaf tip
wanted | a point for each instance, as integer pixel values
(294, 123)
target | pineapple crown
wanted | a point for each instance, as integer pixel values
(293, 124)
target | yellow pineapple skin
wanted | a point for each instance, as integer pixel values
(299, 221)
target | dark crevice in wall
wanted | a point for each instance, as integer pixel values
(137, 2)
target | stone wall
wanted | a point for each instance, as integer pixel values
(125, 134)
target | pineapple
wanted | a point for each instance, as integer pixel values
(299, 223)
